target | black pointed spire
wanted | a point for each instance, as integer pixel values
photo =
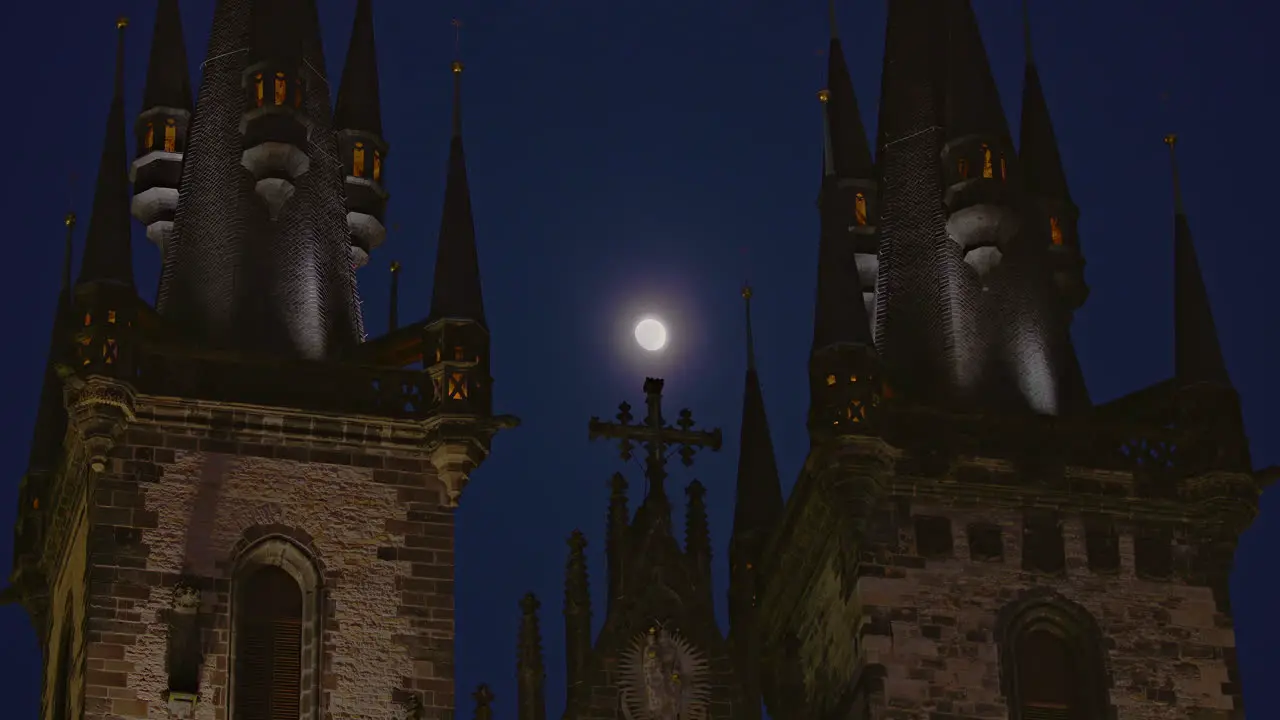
(531, 674)
(849, 151)
(759, 492)
(1038, 152)
(456, 293)
(973, 102)
(577, 612)
(359, 106)
(1197, 352)
(108, 254)
(51, 417)
(168, 78)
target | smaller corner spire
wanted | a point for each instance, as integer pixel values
(751, 345)
(393, 321)
(577, 611)
(168, 81)
(531, 672)
(831, 19)
(616, 535)
(359, 106)
(484, 701)
(70, 222)
(108, 253)
(1172, 141)
(1026, 30)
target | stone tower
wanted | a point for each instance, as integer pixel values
(178, 548)
(969, 536)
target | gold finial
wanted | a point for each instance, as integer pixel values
(395, 266)
(69, 220)
(457, 66)
(122, 22)
(1170, 139)
(746, 291)
(824, 95)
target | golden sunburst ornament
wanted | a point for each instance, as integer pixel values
(664, 677)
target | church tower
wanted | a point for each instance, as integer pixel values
(233, 508)
(971, 537)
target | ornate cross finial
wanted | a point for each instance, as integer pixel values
(655, 434)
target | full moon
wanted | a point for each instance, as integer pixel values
(651, 335)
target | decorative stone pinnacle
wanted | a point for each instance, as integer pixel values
(186, 599)
(577, 542)
(529, 604)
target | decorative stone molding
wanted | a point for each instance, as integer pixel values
(186, 599)
(99, 408)
(182, 705)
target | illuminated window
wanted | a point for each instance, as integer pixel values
(357, 160)
(88, 319)
(257, 88)
(35, 504)
(111, 316)
(831, 380)
(457, 352)
(437, 354)
(987, 170)
(281, 88)
(1004, 168)
(377, 165)
(170, 135)
(150, 140)
(110, 351)
(457, 386)
(853, 378)
(963, 167)
(1055, 231)
(860, 209)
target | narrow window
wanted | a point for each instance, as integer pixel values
(986, 543)
(282, 89)
(170, 135)
(1153, 555)
(257, 88)
(268, 656)
(1055, 231)
(1102, 546)
(357, 160)
(377, 166)
(987, 170)
(860, 209)
(1004, 168)
(933, 537)
(1042, 545)
(150, 141)
(458, 353)
(457, 386)
(963, 168)
(1047, 676)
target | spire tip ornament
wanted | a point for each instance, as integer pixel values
(824, 95)
(122, 22)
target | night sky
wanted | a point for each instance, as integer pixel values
(635, 157)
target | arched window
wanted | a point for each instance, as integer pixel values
(987, 170)
(860, 209)
(268, 646)
(963, 168)
(257, 88)
(377, 166)
(170, 135)
(274, 628)
(281, 89)
(357, 160)
(149, 141)
(1053, 661)
(1055, 231)
(1004, 168)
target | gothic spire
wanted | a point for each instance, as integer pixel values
(108, 255)
(577, 611)
(530, 672)
(51, 417)
(1038, 151)
(358, 106)
(759, 493)
(168, 82)
(850, 153)
(616, 541)
(1197, 353)
(456, 293)
(973, 102)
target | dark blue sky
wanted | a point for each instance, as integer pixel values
(631, 157)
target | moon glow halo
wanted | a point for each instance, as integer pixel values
(651, 334)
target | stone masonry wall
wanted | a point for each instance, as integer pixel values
(931, 622)
(192, 485)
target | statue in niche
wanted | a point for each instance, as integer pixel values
(664, 677)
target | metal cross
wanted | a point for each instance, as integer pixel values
(655, 435)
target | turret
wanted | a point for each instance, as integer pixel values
(276, 125)
(531, 676)
(456, 335)
(616, 545)
(1045, 182)
(358, 120)
(697, 541)
(850, 188)
(577, 613)
(162, 127)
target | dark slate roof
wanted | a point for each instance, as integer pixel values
(108, 254)
(359, 106)
(168, 77)
(849, 149)
(456, 292)
(1041, 162)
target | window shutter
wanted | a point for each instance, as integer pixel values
(268, 679)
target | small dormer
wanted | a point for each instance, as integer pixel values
(456, 357)
(276, 129)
